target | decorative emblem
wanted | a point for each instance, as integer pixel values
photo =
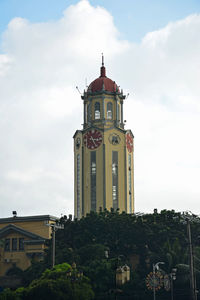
(92, 139)
(129, 142)
(78, 143)
(154, 281)
(114, 139)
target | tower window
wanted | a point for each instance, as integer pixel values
(97, 110)
(93, 180)
(78, 185)
(115, 179)
(114, 193)
(93, 168)
(109, 110)
(114, 169)
(129, 183)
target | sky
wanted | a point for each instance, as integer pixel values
(47, 48)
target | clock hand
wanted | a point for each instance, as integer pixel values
(93, 140)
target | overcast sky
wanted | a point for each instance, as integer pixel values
(49, 48)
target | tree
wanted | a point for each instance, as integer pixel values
(61, 283)
(141, 239)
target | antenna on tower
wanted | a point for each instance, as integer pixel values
(78, 90)
(86, 83)
(127, 96)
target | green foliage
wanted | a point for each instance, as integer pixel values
(91, 252)
(34, 271)
(102, 275)
(137, 240)
(151, 237)
(56, 272)
(53, 284)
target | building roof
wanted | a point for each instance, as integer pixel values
(28, 219)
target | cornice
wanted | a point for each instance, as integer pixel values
(13, 228)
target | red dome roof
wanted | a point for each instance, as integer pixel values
(103, 83)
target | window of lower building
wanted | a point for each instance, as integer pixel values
(21, 244)
(14, 244)
(7, 245)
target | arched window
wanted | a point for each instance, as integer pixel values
(97, 110)
(109, 110)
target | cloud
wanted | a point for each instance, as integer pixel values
(5, 62)
(166, 116)
(40, 109)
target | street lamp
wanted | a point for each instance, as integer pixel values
(188, 218)
(54, 227)
(172, 278)
(155, 267)
(192, 273)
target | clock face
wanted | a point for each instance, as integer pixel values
(92, 139)
(129, 142)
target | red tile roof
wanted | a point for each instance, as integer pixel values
(103, 83)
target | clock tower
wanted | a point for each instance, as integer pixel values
(103, 151)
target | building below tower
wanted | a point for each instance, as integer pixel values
(23, 240)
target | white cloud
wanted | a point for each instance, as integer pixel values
(40, 109)
(5, 62)
(166, 117)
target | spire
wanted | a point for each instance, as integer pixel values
(102, 59)
(103, 69)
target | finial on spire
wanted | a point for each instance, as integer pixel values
(102, 59)
(103, 69)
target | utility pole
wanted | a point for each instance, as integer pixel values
(172, 276)
(53, 245)
(54, 226)
(191, 263)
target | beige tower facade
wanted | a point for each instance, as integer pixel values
(103, 151)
